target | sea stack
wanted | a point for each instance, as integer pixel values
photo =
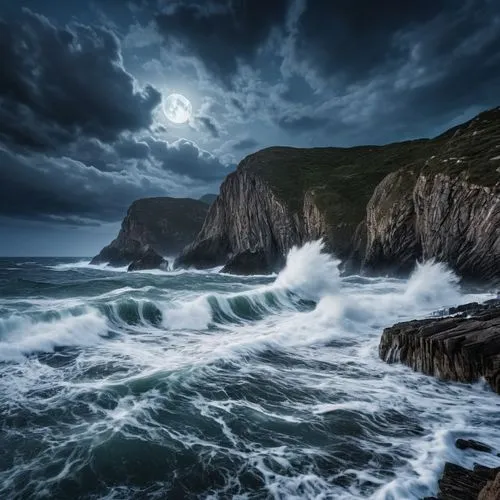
(152, 229)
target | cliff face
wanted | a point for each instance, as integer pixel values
(246, 216)
(154, 225)
(434, 216)
(380, 207)
(449, 210)
(281, 197)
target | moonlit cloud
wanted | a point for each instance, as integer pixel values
(82, 127)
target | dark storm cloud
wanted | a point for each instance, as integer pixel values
(364, 71)
(77, 140)
(60, 83)
(237, 104)
(246, 143)
(352, 39)
(63, 188)
(383, 71)
(184, 158)
(209, 124)
(221, 33)
(300, 123)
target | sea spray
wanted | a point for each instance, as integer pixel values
(310, 272)
(196, 384)
(24, 336)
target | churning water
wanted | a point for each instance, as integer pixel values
(201, 385)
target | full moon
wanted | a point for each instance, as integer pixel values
(177, 108)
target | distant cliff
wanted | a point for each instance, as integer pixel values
(152, 228)
(377, 207)
(208, 198)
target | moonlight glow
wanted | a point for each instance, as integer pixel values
(177, 108)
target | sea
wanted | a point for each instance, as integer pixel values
(196, 384)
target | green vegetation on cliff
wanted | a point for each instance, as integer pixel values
(471, 150)
(343, 179)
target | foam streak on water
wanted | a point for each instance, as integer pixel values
(200, 385)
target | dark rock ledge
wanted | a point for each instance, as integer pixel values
(464, 347)
(459, 483)
(148, 260)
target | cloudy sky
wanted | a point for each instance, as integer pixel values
(83, 128)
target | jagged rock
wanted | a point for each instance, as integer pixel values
(149, 260)
(492, 489)
(245, 216)
(464, 444)
(461, 348)
(164, 225)
(252, 262)
(448, 210)
(459, 483)
(391, 242)
(271, 203)
(380, 207)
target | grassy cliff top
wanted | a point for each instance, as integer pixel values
(471, 150)
(343, 179)
(180, 213)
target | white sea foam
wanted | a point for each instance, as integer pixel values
(20, 336)
(310, 272)
(245, 375)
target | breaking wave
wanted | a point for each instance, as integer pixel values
(200, 385)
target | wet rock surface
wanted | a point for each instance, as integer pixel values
(478, 483)
(253, 262)
(459, 483)
(149, 260)
(463, 348)
(466, 444)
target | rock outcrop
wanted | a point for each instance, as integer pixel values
(251, 262)
(381, 208)
(154, 227)
(246, 217)
(435, 216)
(491, 491)
(448, 210)
(464, 348)
(148, 260)
(459, 483)
(280, 197)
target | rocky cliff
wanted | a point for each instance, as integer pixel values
(448, 210)
(377, 207)
(154, 227)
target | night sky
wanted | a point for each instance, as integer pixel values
(83, 129)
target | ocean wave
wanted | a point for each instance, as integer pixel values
(219, 387)
(20, 336)
(311, 278)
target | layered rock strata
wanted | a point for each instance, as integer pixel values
(463, 348)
